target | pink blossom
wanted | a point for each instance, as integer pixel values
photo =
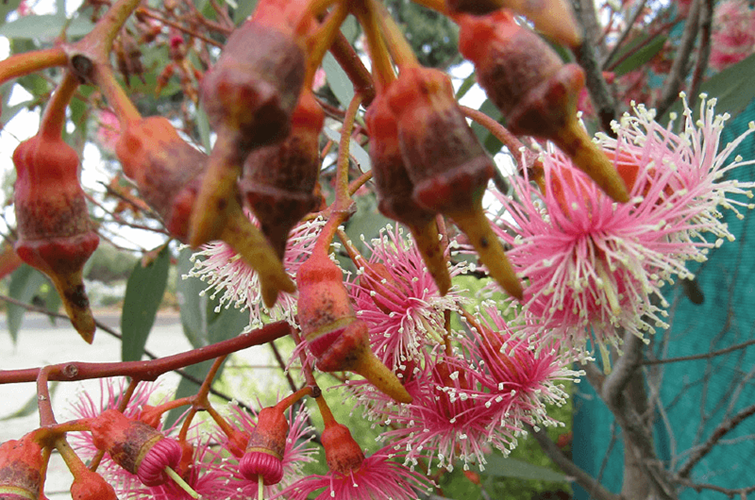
(238, 284)
(109, 130)
(398, 299)
(593, 265)
(297, 453)
(733, 36)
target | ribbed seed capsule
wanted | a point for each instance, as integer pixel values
(169, 172)
(55, 233)
(395, 188)
(278, 181)
(536, 92)
(446, 162)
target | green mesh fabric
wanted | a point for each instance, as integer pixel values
(696, 395)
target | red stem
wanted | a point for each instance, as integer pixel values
(149, 370)
(24, 64)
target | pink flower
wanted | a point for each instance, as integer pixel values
(224, 271)
(592, 265)
(397, 297)
(354, 477)
(297, 452)
(733, 36)
(109, 130)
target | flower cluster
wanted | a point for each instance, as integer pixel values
(594, 266)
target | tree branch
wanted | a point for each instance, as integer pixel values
(592, 486)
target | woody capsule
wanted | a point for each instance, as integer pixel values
(536, 92)
(446, 163)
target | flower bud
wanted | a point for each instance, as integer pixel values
(536, 92)
(169, 172)
(135, 446)
(554, 18)
(21, 466)
(264, 452)
(279, 181)
(336, 338)
(342, 453)
(395, 188)
(54, 228)
(446, 162)
(88, 485)
(249, 96)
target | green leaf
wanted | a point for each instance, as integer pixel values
(226, 324)
(244, 10)
(24, 284)
(337, 80)
(203, 124)
(356, 151)
(489, 141)
(46, 27)
(187, 387)
(144, 292)
(193, 301)
(467, 84)
(643, 54)
(509, 467)
(350, 29)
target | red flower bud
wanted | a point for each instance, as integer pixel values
(336, 338)
(279, 181)
(55, 232)
(264, 453)
(88, 485)
(395, 188)
(536, 92)
(135, 446)
(21, 465)
(169, 172)
(342, 453)
(446, 162)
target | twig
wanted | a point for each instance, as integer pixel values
(596, 490)
(625, 33)
(703, 52)
(605, 104)
(681, 61)
(694, 357)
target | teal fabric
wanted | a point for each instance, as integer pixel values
(696, 395)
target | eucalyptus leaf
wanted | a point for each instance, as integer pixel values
(193, 302)
(356, 151)
(338, 80)
(24, 284)
(144, 292)
(647, 50)
(6, 8)
(509, 467)
(45, 27)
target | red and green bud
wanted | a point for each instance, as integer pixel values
(535, 90)
(135, 446)
(55, 233)
(337, 339)
(279, 181)
(446, 162)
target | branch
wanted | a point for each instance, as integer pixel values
(625, 33)
(592, 486)
(681, 62)
(615, 383)
(605, 104)
(703, 52)
(722, 429)
(150, 370)
(707, 355)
